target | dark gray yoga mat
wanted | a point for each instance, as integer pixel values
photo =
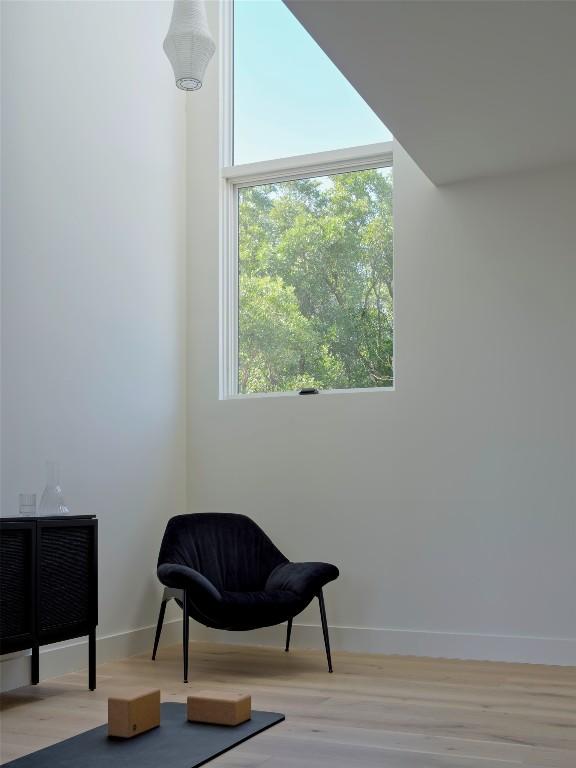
(175, 744)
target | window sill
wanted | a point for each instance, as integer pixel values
(322, 393)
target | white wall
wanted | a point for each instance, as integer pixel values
(449, 504)
(93, 274)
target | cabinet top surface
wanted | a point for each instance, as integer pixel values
(27, 518)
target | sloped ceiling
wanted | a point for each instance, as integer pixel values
(468, 87)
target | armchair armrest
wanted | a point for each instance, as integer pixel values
(306, 579)
(182, 577)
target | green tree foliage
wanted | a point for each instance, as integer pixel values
(315, 293)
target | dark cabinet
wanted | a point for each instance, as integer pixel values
(48, 584)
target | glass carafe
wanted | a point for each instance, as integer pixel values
(52, 502)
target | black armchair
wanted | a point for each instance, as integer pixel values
(225, 572)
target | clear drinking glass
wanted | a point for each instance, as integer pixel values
(52, 501)
(27, 504)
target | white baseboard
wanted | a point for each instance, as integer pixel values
(69, 657)
(406, 642)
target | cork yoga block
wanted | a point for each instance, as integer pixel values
(135, 713)
(219, 708)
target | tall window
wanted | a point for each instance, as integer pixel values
(307, 242)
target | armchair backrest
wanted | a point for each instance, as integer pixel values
(230, 550)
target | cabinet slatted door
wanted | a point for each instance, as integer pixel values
(66, 583)
(17, 563)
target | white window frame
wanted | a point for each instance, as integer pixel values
(235, 177)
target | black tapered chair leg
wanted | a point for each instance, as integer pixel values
(288, 633)
(159, 627)
(185, 633)
(325, 629)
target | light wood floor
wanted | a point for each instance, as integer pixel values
(373, 712)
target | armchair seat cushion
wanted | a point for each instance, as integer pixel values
(264, 608)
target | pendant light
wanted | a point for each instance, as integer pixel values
(189, 44)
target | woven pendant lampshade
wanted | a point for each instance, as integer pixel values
(189, 44)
